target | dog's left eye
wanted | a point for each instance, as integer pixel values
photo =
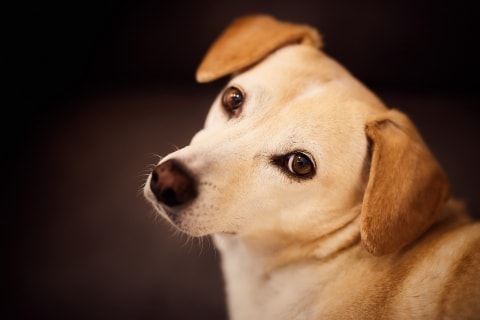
(298, 164)
(232, 100)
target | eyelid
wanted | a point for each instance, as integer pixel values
(305, 153)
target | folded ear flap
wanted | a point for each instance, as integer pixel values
(406, 187)
(248, 40)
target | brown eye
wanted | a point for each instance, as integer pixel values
(232, 100)
(300, 164)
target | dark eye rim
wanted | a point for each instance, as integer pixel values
(236, 109)
(281, 161)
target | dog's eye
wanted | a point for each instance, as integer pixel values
(300, 164)
(232, 100)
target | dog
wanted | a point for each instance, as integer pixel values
(324, 203)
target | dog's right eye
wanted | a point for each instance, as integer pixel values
(232, 100)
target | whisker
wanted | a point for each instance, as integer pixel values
(140, 190)
(175, 147)
(200, 245)
(157, 156)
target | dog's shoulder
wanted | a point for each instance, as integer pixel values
(455, 232)
(443, 266)
(462, 290)
(456, 225)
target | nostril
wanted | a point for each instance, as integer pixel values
(172, 184)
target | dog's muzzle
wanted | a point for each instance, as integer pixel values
(172, 184)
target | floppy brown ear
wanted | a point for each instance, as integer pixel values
(248, 40)
(406, 187)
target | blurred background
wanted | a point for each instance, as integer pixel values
(100, 88)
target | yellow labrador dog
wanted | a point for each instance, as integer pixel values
(323, 203)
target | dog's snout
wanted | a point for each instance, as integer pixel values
(172, 184)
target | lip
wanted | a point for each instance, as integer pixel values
(170, 213)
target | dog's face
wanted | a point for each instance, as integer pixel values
(283, 148)
(288, 149)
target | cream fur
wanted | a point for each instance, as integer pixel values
(370, 236)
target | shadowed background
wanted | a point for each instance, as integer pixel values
(102, 87)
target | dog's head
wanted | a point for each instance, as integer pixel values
(295, 145)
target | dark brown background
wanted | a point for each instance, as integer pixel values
(100, 87)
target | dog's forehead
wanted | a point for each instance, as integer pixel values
(287, 71)
(296, 75)
(298, 97)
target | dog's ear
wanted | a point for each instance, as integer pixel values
(248, 40)
(406, 186)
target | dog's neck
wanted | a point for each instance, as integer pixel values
(253, 265)
(276, 251)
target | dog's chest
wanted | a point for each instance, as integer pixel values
(254, 293)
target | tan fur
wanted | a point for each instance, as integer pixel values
(238, 47)
(372, 234)
(406, 189)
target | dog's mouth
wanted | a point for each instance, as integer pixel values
(171, 213)
(183, 219)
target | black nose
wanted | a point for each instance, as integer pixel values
(172, 184)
